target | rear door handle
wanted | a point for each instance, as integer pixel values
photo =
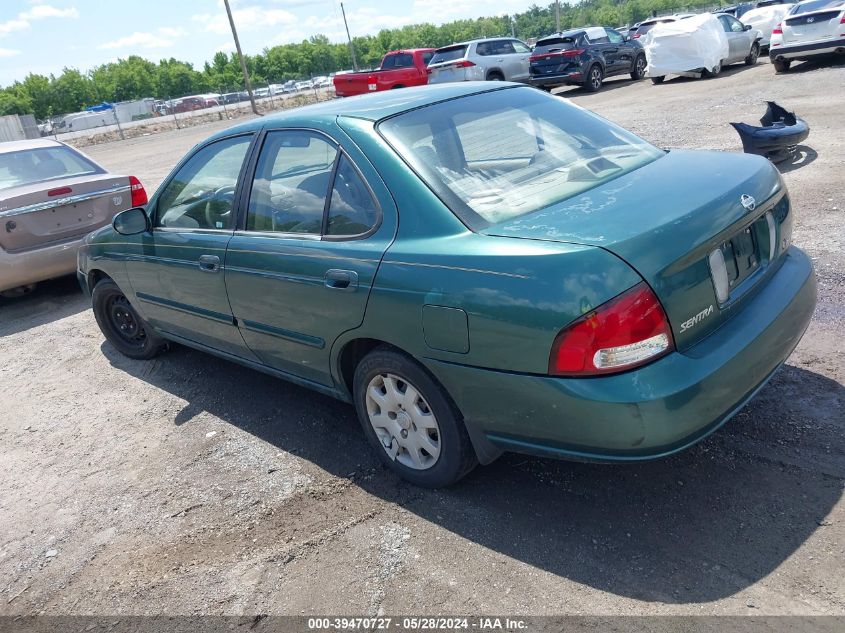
(209, 263)
(341, 279)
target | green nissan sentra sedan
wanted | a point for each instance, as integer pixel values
(477, 268)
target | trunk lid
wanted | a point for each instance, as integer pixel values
(42, 213)
(666, 218)
(812, 26)
(554, 56)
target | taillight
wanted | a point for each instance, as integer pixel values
(623, 333)
(636, 36)
(464, 63)
(572, 52)
(777, 30)
(139, 194)
(59, 191)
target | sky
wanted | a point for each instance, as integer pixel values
(44, 36)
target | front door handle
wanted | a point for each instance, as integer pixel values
(341, 279)
(209, 263)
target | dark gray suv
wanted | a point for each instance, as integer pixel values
(585, 57)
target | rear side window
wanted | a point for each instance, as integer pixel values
(449, 54)
(42, 164)
(291, 183)
(496, 47)
(400, 60)
(352, 210)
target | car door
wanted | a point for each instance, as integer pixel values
(315, 224)
(623, 58)
(738, 44)
(522, 56)
(176, 272)
(600, 43)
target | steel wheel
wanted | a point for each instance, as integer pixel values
(403, 422)
(123, 322)
(122, 325)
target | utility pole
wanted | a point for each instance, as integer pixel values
(513, 28)
(349, 37)
(241, 57)
(557, 16)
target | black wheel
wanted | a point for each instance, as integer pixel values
(595, 77)
(410, 421)
(638, 71)
(713, 72)
(121, 325)
(781, 65)
(545, 88)
(658, 80)
(753, 55)
(495, 76)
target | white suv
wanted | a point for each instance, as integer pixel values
(491, 59)
(811, 28)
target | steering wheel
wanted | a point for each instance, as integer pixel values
(220, 195)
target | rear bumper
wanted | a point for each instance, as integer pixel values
(551, 81)
(39, 264)
(807, 51)
(646, 413)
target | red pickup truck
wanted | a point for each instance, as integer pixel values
(399, 69)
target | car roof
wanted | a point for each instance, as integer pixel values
(373, 106)
(569, 33)
(32, 143)
(478, 40)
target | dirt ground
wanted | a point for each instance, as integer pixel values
(189, 485)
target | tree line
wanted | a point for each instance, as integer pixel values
(136, 77)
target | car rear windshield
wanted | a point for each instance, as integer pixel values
(31, 166)
(448, 54)
(815, 5)
(543, 152)
(551, 44)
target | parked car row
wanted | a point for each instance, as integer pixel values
(680, 44)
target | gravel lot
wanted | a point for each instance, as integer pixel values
(189, 485)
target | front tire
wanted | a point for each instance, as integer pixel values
(713, 72)
(781, 65)
(410, 421)
(595, 78)
(122, 325)
(638, 71)
(753, 55)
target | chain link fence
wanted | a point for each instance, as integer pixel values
(116, 121)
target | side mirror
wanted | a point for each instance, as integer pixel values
(747, 27)
(131, 222)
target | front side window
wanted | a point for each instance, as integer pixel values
(41, 164)
(201, 195)
(292, 180)
(614, 36)
(519, 47)
(544, 152)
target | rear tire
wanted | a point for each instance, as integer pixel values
(495, 76)
(753, 55)
(781, 65)
(121, 324)
(639, 67)
(658, 80)
(410, 421)
(595, 79)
